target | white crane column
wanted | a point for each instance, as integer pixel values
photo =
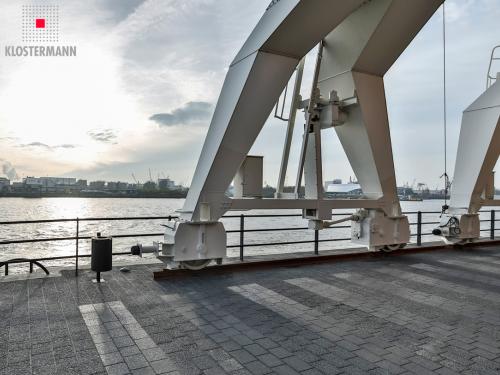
(287, 31)
(356, 56)
(362, 40)
(473, 182)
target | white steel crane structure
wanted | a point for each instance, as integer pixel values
(478, 150)
(359, 40)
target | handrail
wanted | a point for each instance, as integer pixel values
(170, 217)
(23, 260)
(489, 77)
(241, 231)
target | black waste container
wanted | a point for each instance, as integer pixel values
(101, 254)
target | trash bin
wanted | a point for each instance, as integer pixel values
(101, 259)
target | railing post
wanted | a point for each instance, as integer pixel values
(419, 228)
(76, 243)
(242, 236)
(316, 242)
(492, 225)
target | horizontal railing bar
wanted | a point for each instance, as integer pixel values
(129, 218)
(282, 229)
(59, 258)
(135, 235)
(288, 242)
(88, 219)
(266, 230)
(262, 215)
(423, 234)
(426, 223)
(37, 221)
(55, 239)
(74, 256)
(170, 217)
(34, 240)
(282, 215)
(38, 240)
(229, 246)
(272, 243)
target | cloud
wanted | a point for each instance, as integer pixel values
(456, 11)
(8, 170)
(35, 144)
(190, 113)
(46, 146)
(103, 135)
(154, 160)
(117, 10)
(157, 55)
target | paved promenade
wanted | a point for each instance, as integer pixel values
(426, 313)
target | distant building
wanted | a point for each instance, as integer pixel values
(405, 191)
(50, 184)
(336, 181)
(4, 184)
(133, 187)
(350, 189)
(110, 185)
(82, 183)
(121, 186)
(18, 187)
(166, 184)
(64, 186)
(50, 181)
(97, 185)
(117, 186)
(149, 186)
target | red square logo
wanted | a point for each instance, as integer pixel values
(40, 23)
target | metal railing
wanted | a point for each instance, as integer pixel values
(490, 78)
(241, 245)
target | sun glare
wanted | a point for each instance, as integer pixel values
(58, 101)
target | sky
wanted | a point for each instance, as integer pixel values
(140, 94)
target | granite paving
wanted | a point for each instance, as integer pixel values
(423, 313)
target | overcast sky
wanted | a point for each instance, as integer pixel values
(141, 92)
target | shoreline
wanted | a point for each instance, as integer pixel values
(152, 196)
(179, 195)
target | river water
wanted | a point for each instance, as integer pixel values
(60, 208)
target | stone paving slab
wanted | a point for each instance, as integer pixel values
(428, 313)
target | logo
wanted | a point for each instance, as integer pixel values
(40, 34)
(40, 23)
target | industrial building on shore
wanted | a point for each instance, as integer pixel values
(68, 186)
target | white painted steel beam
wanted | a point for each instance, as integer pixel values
(356, 56)
(290, 127)
(281, 204)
